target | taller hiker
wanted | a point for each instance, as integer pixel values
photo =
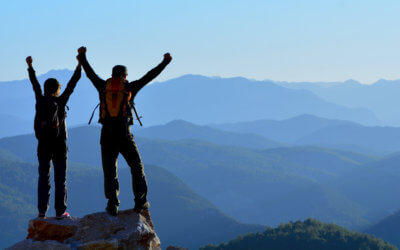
(116, 95)
(51, 133)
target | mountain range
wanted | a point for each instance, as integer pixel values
(380, 97)
(230, 152)
(194, 98)
(312, 130)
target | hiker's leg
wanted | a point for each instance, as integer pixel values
(60, 176)
(109, 155)
(44, 158)
(139, 184)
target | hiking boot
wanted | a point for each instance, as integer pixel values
(42, 215)
(112, 210)
(63, 216)
(141, 207)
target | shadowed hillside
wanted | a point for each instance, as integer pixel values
(387, 229)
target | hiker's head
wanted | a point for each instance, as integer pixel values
(52, 87)
(119, 71)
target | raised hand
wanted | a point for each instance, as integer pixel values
(82, 50)
(167, 57)
(29, 61)
(79, 60)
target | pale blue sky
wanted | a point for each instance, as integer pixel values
(292, 40)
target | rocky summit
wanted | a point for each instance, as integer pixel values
(128, 230)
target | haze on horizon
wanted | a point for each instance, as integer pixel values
(287, 40)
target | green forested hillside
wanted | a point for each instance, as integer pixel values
(17, 204)
(310, 234)
(175, 209)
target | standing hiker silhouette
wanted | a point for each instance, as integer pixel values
(116, 99)
(51, 133)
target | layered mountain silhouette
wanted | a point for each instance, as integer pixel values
(193, 98)
(297, 156)
(180, 129)
(202, 100)
(380, 97)
(312, 130)
(287, 130)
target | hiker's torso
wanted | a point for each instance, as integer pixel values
(115, 107)
(61, 114)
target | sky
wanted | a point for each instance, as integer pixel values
(281, 40)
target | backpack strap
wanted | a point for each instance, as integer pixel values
(137, 116)
(105, 110)
(94, 110)
(124, 103)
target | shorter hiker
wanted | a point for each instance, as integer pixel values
(116, 100)
(51, 133)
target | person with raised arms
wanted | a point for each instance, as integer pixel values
(116, 101)
(51, 133)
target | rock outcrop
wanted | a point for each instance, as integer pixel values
(129, 230)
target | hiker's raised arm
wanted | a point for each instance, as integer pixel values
(72, 82)
(33, 79)
(149, 76)
(97, 81)
(29, 61)
(79, 62)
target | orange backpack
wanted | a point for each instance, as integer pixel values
(115, 102)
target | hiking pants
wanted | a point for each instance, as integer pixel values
(56, 151)
(114, 141)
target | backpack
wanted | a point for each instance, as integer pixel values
(116, 102)
(46, 122)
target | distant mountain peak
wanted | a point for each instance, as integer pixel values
(59, 74)
(55, 71)
(310, 117)
(352, 81)
(384, 81)
(178, 122)
(191, 77)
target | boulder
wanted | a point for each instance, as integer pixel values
(128, 230)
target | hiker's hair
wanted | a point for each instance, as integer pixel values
(119, 71)
(51, 86)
